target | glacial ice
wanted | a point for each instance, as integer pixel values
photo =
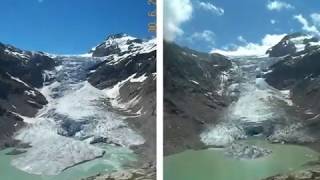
(71, 98)
(257, 104)
(51, 153)
(222, 135)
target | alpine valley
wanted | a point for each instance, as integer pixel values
(72, 117)
(243, 118)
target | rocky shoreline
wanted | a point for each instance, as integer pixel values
(246, 151)
(146, 172)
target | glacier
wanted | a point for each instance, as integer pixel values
(71, 99)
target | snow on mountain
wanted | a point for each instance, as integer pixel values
(119, 46)
(21, 74)
(127, 75)
(129, 64)
(296, 43)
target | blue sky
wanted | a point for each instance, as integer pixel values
(70, 26)
(206, 25)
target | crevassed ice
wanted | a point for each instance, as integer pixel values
(87, 103)
(80, 103)
(258, 102)
(71, 98)
(222, 135)
(50, 153)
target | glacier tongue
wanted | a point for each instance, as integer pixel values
(73, 100)
(258, 105)
(51, 153)
(222, 135)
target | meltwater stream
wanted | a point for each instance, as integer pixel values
(62, 134)
(258, 111)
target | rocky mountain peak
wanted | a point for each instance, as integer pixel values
(117, 47)
(294, 43)
(114, 44)
(11, 52)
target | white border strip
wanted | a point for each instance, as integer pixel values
(160, 90)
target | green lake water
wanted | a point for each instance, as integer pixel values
(212, 164)
(113, 160)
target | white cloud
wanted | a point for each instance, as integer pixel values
(242, 39)
(278, 5)
(252, 49)
(176, 12)
(306, 26)
(210, 7)
(315, 19)
(272, 21)
(206, 35)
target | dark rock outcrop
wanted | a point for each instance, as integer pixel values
(107, 75)
(21, 72)
(192, 98)
(301, 75)
(130, 63)
(291, 44)
(27, 66)
(132, 56)
(289, 71)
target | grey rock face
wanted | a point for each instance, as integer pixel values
(300, 75)
(21, 72)
(194, 85)
(291, 44)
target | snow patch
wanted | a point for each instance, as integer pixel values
(195, 82)
(18, 80)
(140, 79)
(17, 54)
(30, 93)
(114, 95)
